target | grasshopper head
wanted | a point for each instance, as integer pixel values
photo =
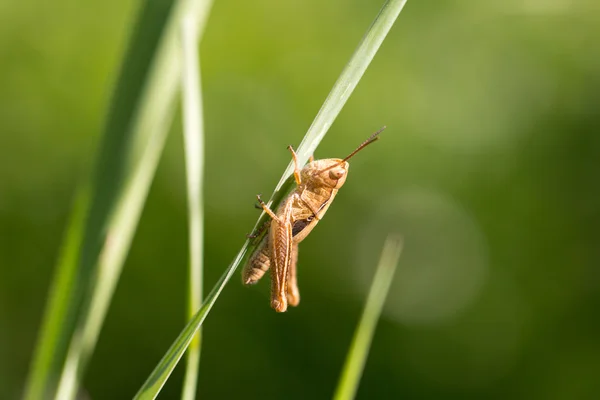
(331, 172)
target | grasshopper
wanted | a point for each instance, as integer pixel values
(317, 185)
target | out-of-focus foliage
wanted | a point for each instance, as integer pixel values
(489, 168)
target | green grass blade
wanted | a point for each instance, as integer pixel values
(338, 96)
(194, 154)
(346, 82)
(135, 130)
(105, 187)
(45, 362)
(163, 370)
(359, 349)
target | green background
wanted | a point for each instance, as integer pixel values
(489, 167)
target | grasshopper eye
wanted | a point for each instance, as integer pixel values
(337, 173)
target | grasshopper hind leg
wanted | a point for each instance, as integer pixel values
(280, 244)
(293, 294)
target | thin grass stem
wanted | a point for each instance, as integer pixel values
(135, 130)
(193, 124)
(361, 343)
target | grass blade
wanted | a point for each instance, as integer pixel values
(135, 130)
(346, 82)
(45, 363)
(334, 103)
(359, 349)
(163, 370)
(105, 186)
(194, 154)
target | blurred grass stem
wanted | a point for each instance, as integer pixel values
(194, 155)
(361, 343)
(135, 130)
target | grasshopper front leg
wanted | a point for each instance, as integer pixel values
(296, 169)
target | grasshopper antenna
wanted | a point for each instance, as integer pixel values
(364, 144)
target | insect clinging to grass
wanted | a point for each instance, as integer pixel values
(317, 185)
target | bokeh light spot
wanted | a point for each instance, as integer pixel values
(444, 263)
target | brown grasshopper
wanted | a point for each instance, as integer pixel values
(316, 186)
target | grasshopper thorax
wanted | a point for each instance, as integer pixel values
(330, 172)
